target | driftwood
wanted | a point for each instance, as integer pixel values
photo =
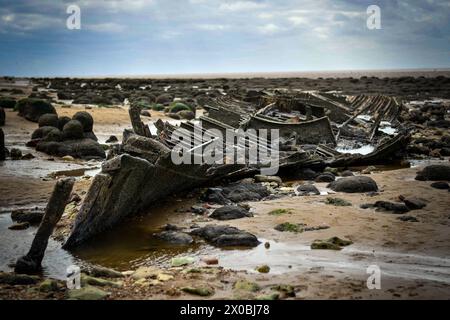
(138, 126)
(31, 263)
(2, 145)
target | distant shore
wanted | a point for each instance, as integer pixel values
(392, 73)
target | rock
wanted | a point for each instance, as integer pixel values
(163, 277)
(85, 119)
(91, 135)
(306, 190)
(98, 271)
(15, 154)
(288, 227)
(186, 114)
(68, 158)
(144, 272)
(269, 179)
(84, 148)
(357, 184)
(175, 237)
(225, 236)
(112, 139)
(245, 191)
(175, 116)
(285, 289)
(199, 210)
(7, 102)
(182, 261)
(398, 208)
(88, 280)
(270, 296)
(408, 219)
(30, 216)
(27, 156)
(62, 122)
(48, 285)
(87, 293)
(263, 269)
(347, 173)
(337, 202)
(333, 243)
(145, 113)
(442, 185)
(305, 174)
(164, 99)
(73, 130)
(210, 260)
(230, 213)
(48, 120)
(42, 132)
(2, 117)
(325, 177)
(413, 203)
(215, 195)
(19, 226)
(333, 171)
(17, 279)
(170, 227)
(267, 245)
(435, 172)
(198, 291)
(245, 285)
(33, 109)
(369, 170)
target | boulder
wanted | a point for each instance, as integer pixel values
(245, 191)
(269, 179)
(48, 120)
(15, 154)
(33, 109)
(306, 190)
(413, 203)
(325, 177)
(305, 174)
(230, 213)
(186, 114)
(87, 293)
(41, 132)
(53, 135)
(435, 172)
(164, 99)
(73, 130)
(85, 119)
(442, 185)
(112, 139)
(7, 103)
(62, 122)
(226, 236)
(175, 237)
(17, 279)
(84, 148)
(354, 184)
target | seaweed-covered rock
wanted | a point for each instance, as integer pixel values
(395, 207)
(85, 119)
(7, 103)
(435, 172)
(230, 213)
(73, 130)
(48, 120)
(62, 122)
(354, 184)
(334, 243)
(82, 148)
(226, 236)
(33, 109)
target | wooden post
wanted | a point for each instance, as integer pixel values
(2, 145)
(31, 263)
(138, 126)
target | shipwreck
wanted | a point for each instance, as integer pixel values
(311, 126)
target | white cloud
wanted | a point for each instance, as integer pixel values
(212, 27)
(269, 29)
(241, 6)
(298, 20)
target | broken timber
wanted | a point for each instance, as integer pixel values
(31, 263)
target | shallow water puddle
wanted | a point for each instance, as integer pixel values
(16, 243)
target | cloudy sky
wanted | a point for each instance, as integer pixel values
(142, 37)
